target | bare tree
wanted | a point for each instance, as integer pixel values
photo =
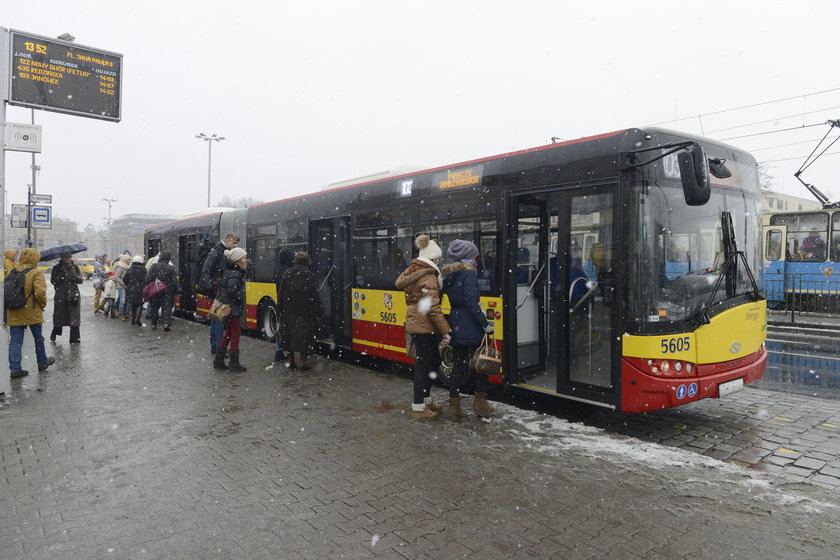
(765, 180)
(243, 202)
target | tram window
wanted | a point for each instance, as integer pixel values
(774, 245)
(835, 237)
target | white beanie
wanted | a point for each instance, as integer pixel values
(137, 259)
(428, 248)
(235, 254)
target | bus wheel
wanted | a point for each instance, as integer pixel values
(267, 319)
(445, 369)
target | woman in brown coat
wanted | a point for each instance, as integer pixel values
(421, 282)
(299, 307)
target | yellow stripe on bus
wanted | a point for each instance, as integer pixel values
(378, 345)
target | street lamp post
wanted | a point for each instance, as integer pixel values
(209, 139)
(110, 201)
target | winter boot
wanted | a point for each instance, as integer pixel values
(431, 405)
(454, 413)
(234, 362)
(75, 336)
(304, 364)
(280, 356)
(219, 360)
(421, 411)
(480, 405)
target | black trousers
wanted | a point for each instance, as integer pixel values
(162, 310)
(460, 363)
(425, 363)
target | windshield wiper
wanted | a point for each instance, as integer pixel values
(729, 269)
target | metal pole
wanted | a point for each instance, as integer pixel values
(34, 240)
(209, 167)
(29, 215)
(4, 90)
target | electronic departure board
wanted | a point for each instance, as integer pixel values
(59, 76)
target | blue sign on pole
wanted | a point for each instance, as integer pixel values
(41, 217)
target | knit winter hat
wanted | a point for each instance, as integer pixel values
(235, 254)
(137, 259)
(461, 249)
(428, 248)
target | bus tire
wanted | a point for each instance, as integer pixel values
(267, 317)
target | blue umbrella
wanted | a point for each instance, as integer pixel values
(56, 252)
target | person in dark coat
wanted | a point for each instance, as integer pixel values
(135, 280)
(210, 281)
(283, 263)
(231, 292)
(469, 325)
(66, 278)
(163, 302)
(300, 307)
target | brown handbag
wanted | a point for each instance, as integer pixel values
(219, 311)
(487, 360)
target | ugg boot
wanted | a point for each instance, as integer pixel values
(234, 362)
(420, 411)
(454, 413)
(219, 360)
(431, 405)
(480, 405)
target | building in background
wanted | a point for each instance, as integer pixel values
(126, 233)
(778, 202)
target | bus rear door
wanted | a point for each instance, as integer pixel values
(329, 246)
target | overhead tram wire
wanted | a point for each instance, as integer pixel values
(774, 119)
(794, 158)
(701, 115)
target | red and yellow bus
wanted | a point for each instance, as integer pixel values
(617, 269)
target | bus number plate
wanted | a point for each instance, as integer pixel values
(730, 387)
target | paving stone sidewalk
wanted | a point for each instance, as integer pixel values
(134, 447)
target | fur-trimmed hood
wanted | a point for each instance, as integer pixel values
(456, 267)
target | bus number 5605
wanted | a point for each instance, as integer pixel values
(672, 345)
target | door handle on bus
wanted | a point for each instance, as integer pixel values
(531, 287)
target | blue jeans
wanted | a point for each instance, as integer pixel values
(122, 301)
(217, 331)
(16, 344)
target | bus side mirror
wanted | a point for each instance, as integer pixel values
(694, 171)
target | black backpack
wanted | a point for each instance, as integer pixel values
(13, 296)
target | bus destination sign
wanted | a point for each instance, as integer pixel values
(463, 177)
(58, 76)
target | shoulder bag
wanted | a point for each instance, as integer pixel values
(486, 360)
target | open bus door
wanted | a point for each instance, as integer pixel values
(188, 252)
(329, 247)
(776, 255)
(561, 300)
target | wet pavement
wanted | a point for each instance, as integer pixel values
(134, 447)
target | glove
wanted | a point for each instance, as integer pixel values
(488, 329)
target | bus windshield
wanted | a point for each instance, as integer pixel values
(676, 253)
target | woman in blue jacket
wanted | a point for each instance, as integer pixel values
(469, 325)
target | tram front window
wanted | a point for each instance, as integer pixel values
(676, 254)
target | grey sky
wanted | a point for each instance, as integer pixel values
(307, 93)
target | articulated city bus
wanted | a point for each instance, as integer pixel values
(616, 269)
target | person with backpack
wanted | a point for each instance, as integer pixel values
(29, 282)
(66, 277)
(163, 302)
(210, 281)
